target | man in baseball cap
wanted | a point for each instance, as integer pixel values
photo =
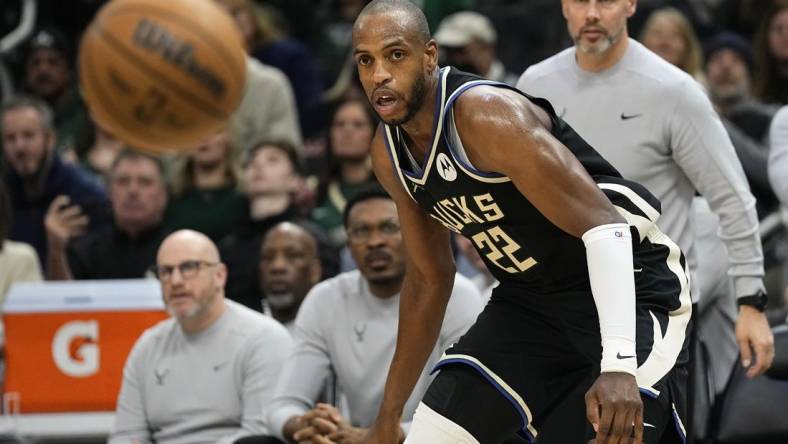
(467, 40)
(49, 75)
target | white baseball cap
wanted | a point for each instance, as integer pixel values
(461, 28)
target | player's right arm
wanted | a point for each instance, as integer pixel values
(425, 293)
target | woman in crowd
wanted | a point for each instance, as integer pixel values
(349, 167)
(771, 55)
(205, 189)
(668, 33)
(265, 42)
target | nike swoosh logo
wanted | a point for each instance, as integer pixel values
(629, 116)
(645, 424)
(638, 270)
(620, 356)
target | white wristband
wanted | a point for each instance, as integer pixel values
(611, 272)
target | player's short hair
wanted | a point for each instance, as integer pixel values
(368, 192)
(416, 17)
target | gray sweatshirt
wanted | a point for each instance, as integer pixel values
(654, 123)
(210, 387)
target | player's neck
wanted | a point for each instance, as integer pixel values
(604, 60)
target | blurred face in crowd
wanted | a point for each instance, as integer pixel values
(191, 275)
(351, 131)
(665, 38)
(375, 241)
(596, 25)
(244, 20)
(728, 76)
(778, 35)
(269, 171)
(213, 151)
(289, 265)
(26, 142)
(138, 194)
(393, 65)
(47, 73)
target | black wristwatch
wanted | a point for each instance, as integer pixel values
(757, 301)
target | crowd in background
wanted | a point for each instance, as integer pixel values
(76, 203)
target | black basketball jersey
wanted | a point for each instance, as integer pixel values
(520, 246)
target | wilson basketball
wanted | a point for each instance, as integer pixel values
(162, 75)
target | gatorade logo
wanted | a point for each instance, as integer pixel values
(75, 348)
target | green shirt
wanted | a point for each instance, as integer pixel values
(209, 211)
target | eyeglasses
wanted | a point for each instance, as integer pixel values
(361, 233)
(187, 269)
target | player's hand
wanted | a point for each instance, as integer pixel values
(754, 337)
(63, 221)
(613, 407)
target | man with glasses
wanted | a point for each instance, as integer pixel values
(348, 325)
(207, 373)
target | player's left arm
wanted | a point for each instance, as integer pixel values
(702, 148)
(503, 132)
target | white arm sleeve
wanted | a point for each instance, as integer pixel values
(611, 272)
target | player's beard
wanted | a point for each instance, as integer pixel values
(417, 94)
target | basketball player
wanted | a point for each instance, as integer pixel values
(592, 296)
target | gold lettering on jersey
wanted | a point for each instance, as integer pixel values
(463, 206)
(510, 247)
(455, 213)
(499, 248)
(495, 240)
(491, 210)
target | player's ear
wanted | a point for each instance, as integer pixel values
(431, 55)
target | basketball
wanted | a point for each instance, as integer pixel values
(162, 75)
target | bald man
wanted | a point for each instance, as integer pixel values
(289, 268)
(206, 374)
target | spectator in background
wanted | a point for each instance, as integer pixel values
(348, 324)
(270, 175)
(18, 261)
(35, 174)
(349, 167)
(778, 155)
(207, 374)
(102, 149)
(205, 189)
(49, 76)
(468, 41)
(746, 119)
(771, 55)
(267, 110)
(289, 268)
(670, 35)
(127, 248)
(271, 47)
